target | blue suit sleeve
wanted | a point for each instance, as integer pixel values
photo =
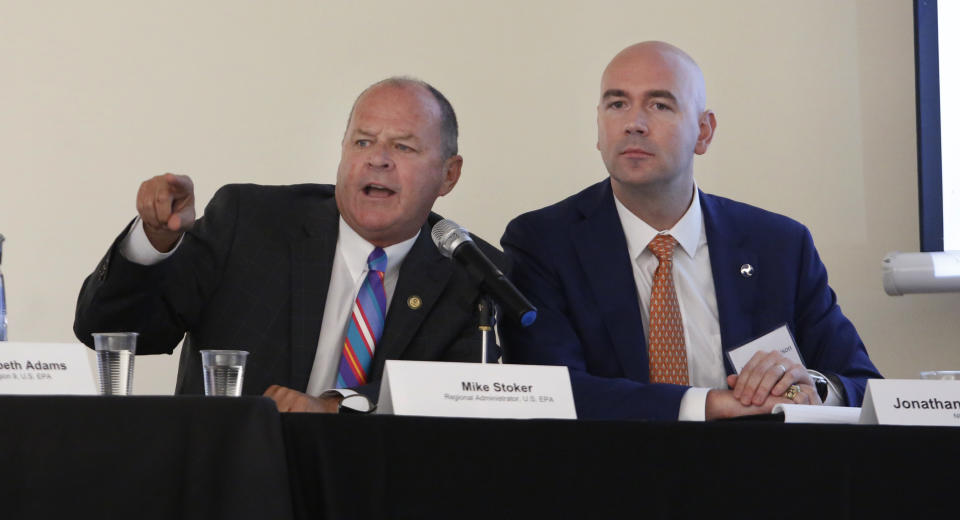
(828, 340)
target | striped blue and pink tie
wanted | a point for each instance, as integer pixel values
(366, 324)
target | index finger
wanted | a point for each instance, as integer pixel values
(273, 391)
(175, 193)
(179, 184)
(284, 397)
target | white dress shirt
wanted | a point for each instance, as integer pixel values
(693, 280)
(697, 297)
(349, 270)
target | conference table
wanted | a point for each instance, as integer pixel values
(199, 457)
(142, 457)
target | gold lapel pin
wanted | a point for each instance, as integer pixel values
(414, 302)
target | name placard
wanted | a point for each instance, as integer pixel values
(45, 369)
(916, 402)
(441, 389)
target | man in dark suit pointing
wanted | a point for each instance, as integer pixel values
(643, 282)
(321, 284)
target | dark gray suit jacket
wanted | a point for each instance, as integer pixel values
(253, 275)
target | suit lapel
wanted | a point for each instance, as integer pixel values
(602, 250)
(424, 273)
(312, 263)
(736, 293)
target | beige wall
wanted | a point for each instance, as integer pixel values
(815, 104)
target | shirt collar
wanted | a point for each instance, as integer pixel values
(686, 231)
(355, 251)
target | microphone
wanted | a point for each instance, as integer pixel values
(454, 242)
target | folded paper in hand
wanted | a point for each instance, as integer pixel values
(779, 339)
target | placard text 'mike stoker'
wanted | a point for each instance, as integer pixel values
(473, 386)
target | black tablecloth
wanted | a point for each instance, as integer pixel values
(236, 458)
(400, 467)
(141, 457)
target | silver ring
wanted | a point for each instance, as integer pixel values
(783, 369)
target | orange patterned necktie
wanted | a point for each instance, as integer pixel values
(668, 352)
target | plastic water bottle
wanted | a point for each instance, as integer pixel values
(3, 300)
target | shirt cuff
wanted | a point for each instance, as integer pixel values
(343, 392)
(693, 405)
(834, 395)
(136, 247)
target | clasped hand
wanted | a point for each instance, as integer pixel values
(762, 384)
(290, 400)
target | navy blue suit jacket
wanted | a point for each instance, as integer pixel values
(570, 259)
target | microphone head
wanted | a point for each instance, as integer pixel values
(448, 235)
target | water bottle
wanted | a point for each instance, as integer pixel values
(3, 300)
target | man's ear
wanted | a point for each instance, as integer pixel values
(708, 126)
(598, 126)
(451, 174)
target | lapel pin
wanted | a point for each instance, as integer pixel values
(414, 302)
(746, 270)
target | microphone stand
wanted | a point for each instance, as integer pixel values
(486, 317)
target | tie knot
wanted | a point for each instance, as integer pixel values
(662, 247)
(377, 261)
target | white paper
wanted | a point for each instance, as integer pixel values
(779, 339)
(804, 413)
(45, 369)
(441, 389)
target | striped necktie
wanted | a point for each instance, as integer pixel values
(666, 346)
(366, 324)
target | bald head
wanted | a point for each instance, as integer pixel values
(662, 59)
(651, 121)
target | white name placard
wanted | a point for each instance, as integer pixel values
(441, 389)
(917, 402)
(45, 368)
(779, 339)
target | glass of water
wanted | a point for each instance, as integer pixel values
(223, 371)
(115, 355)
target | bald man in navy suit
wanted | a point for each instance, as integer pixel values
(737, 272)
